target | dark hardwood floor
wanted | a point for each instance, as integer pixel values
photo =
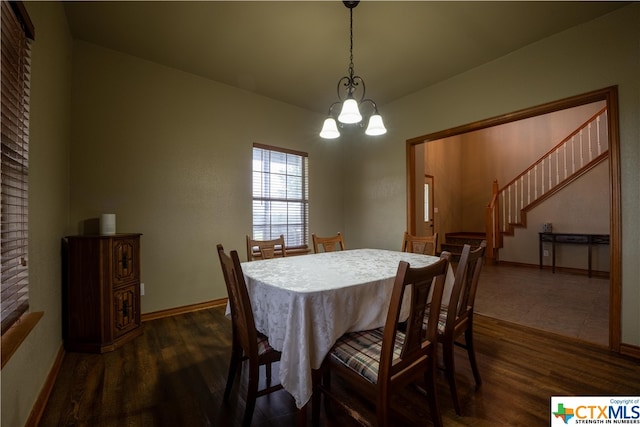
(174, 375)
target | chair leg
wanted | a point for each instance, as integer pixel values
(432, 396)
(382, 411)
(447, 350)
(252, 394)
(301, 416)
(468, 337)
(316, 401)
(326, 379)
(268, 369)
(326, 384)
(236, 359)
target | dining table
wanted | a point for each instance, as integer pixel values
(305, 303)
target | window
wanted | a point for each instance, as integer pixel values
(17, 32)
(280, 195)
(427, 197)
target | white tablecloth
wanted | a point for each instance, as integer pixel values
(305, 303)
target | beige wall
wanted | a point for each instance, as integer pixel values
(170, 154)
(24, 375)
(592, 56)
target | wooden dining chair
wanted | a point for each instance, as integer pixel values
(426, 245)
(456, 317)
(327, 244)
(380, 362)
(247, 342)
(265, 249)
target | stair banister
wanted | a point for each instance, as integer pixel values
(564, 141)
(507, 206)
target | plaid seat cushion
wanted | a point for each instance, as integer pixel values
(442, 318)
(263, 345)
(360, 352)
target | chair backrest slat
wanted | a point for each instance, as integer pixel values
(427, 245)
(476, 261)
(416, 347)
(466, 283)
(243, 322)
(328, 244)
(265, 249)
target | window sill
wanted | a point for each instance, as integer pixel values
(17, 333)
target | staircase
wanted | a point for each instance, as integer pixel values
(574, 156)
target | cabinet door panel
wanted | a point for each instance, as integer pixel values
(126, 310)
(126, 264)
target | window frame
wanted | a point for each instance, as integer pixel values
(301, 239)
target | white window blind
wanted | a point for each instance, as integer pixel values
(280, 195)
(16, 33)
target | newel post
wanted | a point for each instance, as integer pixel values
(492, 225)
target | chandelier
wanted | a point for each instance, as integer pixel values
(350, 102)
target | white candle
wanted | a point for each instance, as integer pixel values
(108, 224)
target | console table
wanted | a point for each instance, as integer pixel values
(570, 239)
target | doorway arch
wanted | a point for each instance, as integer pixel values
(610, 96)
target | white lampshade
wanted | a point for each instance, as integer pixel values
(329, 129)
(376, 127)
(350, 112)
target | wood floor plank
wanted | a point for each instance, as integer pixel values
(175, 373)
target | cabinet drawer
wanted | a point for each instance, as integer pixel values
(567, 238)
(126, 262)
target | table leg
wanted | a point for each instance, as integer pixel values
(301, 416)
(540, 251)
(553, 248)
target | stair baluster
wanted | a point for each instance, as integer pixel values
(501, 220)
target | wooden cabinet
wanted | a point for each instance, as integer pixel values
(102, 293)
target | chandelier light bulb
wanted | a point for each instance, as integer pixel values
(376, 127)
(329, 129)
(350, 112)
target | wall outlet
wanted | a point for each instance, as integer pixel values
(545, 252)
(141, 288)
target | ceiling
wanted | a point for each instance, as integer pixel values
(295, 51)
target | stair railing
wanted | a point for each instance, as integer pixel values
(573, 156)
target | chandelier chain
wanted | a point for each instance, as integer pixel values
(351, 42)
